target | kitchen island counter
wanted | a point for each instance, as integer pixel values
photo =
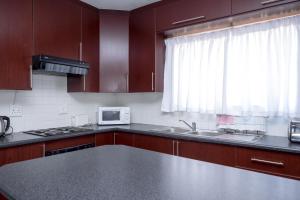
(126, 173)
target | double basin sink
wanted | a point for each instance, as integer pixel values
(212, 134)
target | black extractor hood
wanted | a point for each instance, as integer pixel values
(58, 66)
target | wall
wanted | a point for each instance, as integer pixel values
(49, 105)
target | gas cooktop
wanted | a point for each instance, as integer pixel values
(57, 131)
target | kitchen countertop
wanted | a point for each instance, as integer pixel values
(267, 142)
(125, 173)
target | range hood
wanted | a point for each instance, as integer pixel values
(58, 66)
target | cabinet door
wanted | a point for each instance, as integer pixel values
(104, 139)
(57, 28)
(276, 163)
(114, 51)
(16, 44)
(142, 51)
(21, 153)
(124, 139)
(241, 6)
(213, 153)
(186, 12)
(153, 143)
(90, 53)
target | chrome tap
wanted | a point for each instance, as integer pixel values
(193, 126)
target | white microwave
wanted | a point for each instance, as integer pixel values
(113, 115)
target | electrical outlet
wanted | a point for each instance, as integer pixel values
(16, 111)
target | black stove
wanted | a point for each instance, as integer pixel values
(57, 131)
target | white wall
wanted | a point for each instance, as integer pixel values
(43, 107)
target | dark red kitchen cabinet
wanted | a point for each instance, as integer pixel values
(152, 143)
(114, 51)
(142, 51)
(21, 153)
(241, 6)
(187, 12)
(104, 139)
(57, 28)
(124, 139)
(276, 163)
(89, 52)
(214, 153)
(16, 44)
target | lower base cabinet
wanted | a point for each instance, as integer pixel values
(214, 153)
(276, 163)
(270, 162)
(124, 139)
(104, 139)
(152, 143)
(21, 153)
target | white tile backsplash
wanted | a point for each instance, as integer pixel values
(42, 107)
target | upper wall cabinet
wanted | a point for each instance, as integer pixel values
(187, 12)
(241, 6)
(114, 51)
(57, 28)
(89, 52)
(146, 52)
(15, 44)
(142, 51)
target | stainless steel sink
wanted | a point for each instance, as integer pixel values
(227, 136)
(211, 134)
(171, 130)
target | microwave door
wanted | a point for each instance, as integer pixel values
(111, 116)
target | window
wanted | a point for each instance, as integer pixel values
(251, 70)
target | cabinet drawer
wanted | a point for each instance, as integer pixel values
(187, 12)
(70, 142)
(241, 6)
(276, 163)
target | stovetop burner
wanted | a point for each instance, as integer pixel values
(57, 131)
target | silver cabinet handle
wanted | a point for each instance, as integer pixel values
(84, 84)
(188, 20)
(174, 147)
(127, 83)
(152, 81)
(269, 1)
(177, 148)
(80, 51)
(30, 71)
(267, 162)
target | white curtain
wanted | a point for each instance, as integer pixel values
(253, 70)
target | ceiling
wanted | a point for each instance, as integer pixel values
(119, 4)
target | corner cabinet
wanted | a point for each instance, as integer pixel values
(187, 12)
(114, 48)
(16, 44)
(89, 52)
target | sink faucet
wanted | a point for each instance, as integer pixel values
(193, 126)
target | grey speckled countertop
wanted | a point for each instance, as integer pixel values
(126, 173)
(267, 142)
